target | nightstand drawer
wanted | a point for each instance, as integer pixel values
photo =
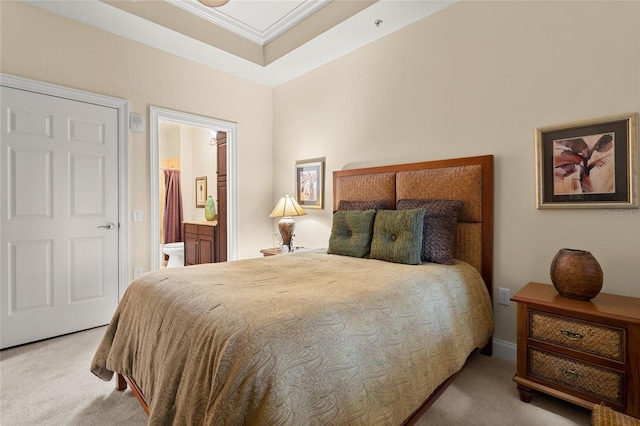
(599, 382)
(583, 336)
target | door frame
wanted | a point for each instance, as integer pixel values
(122, 107)
(158, 113)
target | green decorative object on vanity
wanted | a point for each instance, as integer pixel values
(576, 274)
(210, 209)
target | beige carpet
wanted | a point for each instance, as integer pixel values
(485, 394)
(49, 383)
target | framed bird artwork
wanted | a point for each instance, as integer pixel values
(587, 164)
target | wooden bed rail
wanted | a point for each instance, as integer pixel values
(122, 380)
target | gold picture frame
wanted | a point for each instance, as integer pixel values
(587, 164)
(310, 183)
(201, 191)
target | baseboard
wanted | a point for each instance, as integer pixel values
(504, 350)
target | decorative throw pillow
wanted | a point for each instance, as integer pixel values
(397, 236)
(440, 219)
(351, 233)
(362, 205)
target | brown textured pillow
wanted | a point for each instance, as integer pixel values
(362, 205)
(440, 219)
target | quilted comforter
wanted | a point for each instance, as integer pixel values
(299, 339)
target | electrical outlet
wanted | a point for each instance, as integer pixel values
(137, 272)
(504, 296)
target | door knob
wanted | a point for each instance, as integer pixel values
(109, 225)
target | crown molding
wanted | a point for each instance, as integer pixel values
(218, 17)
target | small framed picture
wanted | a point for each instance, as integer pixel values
(310, 183)
(588, 164)
(201, 191)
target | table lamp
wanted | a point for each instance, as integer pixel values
(286, 208)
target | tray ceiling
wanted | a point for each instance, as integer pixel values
(258, 21)
(265, 41)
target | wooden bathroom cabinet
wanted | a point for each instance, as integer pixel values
(200, 242)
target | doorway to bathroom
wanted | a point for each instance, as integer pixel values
(193, 163)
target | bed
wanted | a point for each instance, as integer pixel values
(319, 336)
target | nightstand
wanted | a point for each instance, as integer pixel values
(585, 352)
(276, 251)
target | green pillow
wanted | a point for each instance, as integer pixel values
(351, 232)
(397, 236)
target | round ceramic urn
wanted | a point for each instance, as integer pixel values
(576, 274)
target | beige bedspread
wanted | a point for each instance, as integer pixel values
(300, 339)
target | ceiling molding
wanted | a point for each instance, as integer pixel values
(293, 13)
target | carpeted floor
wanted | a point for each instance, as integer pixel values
(49, 383)
(485, 394)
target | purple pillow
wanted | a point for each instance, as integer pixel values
(362, 205)
(440, 219)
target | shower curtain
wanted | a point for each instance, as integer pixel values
(172, 207)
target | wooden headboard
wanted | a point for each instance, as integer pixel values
(468, 179)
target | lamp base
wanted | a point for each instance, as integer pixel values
(286, 226)
(286, 249)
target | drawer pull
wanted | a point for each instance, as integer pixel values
(571, 335)
(572, 374)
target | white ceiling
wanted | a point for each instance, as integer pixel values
(259, 21)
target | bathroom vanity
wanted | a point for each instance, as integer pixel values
(200, 242)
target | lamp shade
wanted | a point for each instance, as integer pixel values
(287, 206)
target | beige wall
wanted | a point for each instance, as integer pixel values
(203, 155)
(42, 46)
(478, 78)
(197, 159)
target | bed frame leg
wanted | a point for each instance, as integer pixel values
(121, 383)
(488, 348)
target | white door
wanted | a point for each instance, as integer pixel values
(58, 199)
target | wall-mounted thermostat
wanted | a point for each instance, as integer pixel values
(136, 122)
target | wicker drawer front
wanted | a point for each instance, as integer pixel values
(587, 378)
(595, 339)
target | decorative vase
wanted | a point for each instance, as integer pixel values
(210, 209)
(576, 274)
